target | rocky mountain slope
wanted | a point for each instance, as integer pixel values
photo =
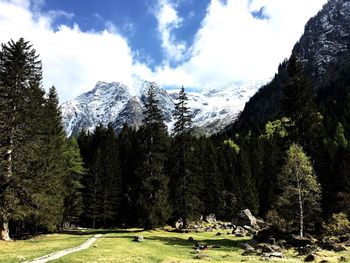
(114, 103)
(323, 49)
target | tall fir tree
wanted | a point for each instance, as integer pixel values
(183, 182)
(73, 203)
(153, 196)
(20, 80)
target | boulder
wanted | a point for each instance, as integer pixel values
(138, 238)
(179, 224)
(329, 244)
(298, 241)
(245, 218)
(267, 256)
(211, 218)
(307, 250)
(310, 258)
(208, 229)
(265, 248)
(248, 248)
(251, 230)
(240, 232)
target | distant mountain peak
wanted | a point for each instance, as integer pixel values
(117, 103)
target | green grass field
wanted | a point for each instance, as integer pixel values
(18, 251)
(159, 246)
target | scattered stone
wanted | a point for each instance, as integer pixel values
(245, 218)
(338, 248)
(265, 248)
(329, 244)
(344, 238)
(179, 224)
(272, 255)
(342, 259)
(251, 230)
(208, 229)
(307, 250)
(139, 238)
(211, 218)
(310, 258)
(218, 234)
(298, 241)
(240, 232)
(248, 249)
(190, 239)
(282, 243)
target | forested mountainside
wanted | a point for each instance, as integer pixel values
(323, 51)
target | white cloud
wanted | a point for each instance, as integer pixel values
(168, 20)
(233, 46)
(73, 60)
(230, 45)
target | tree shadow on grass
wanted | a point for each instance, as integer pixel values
(219, 243)
(99, 231)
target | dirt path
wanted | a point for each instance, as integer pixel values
(64, 252)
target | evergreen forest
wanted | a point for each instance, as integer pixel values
(293, 170)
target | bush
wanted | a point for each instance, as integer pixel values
(338, 225)
(274, 218)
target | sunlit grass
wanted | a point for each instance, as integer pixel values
(18, 251)
(159, 246)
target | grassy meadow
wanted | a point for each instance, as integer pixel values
(158, 246)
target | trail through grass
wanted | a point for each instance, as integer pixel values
(19, 251)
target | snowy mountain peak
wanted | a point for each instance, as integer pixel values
(116, 103)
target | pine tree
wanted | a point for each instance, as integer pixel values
(20, 80)
(153, 196)
(184, 183)
(73, 203)
(182, 114)
(300, 199)
(47, 168)
(299, 106)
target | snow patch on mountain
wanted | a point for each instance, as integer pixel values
(115, 103)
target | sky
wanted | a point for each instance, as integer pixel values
(196, 43)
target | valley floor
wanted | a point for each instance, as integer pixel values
(158, 246)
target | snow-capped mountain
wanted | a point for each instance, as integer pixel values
(213, 109)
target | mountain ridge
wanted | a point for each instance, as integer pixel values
(213, 109)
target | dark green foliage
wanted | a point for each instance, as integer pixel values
(20, 93)
(152, 200)
(182, 114)
(73, 202)
(102, 182)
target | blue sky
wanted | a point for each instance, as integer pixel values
(201, 44)
(133, 19)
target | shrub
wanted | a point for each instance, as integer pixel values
(338, 225)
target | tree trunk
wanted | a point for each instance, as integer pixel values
(4, 231)
(301, 209)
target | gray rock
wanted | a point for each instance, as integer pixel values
(245, 218)
(139, 238)
(248, 248)
(240, 232)
(179, 223)
(310, 258)
(211, 218)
